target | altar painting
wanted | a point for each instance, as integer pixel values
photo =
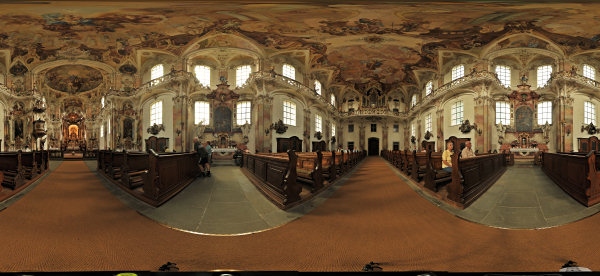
(223, 119)
(524, 119)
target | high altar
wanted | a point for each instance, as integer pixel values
(524, 135)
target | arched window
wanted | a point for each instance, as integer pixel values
(503, 113)
(102, 102)
(456, 114)
(543, 75)
(413, 132)
(428, 123)
(244, 113)
(242, 73)
(332, 130)
(101, 131)
(202, 113)
(589, 113)
(318, 123)
(544, 113)
(203, 74)
(503, 73)
(289, 113)
(155, 73)
(318, 87)
(289, 71)
(458, 71)
(155, 113)
(413, 100)
(589, 72)
(428, 88)
(108, 129)
(332, 99)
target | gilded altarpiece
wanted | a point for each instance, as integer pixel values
(222, 104)
(524, 131)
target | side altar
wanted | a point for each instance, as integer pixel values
(524, 135)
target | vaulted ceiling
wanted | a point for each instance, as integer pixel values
(361, 41)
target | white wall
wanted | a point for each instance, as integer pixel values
(578, 102)
(167, 100)
(468, 114)
(297, 130)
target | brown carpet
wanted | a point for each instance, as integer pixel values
(71, 222)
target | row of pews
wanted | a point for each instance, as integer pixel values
(18, 169)
(151, 177)
(578, 174)
(281, 176)
(469, 179)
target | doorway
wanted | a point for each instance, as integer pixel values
(373, 146)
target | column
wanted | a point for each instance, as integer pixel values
(140, 130)
(419, 130)
(264, 108)
(484, 116)
(307, 125)
(384, 135)
(361, 136)
(178, 121)
(439, 119)
(565, 119)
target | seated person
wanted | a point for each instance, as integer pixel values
(467, 152)
(447, 157)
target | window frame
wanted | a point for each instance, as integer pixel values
(457, 72)
(504, 75)
(205, 79)
(544, 110)
(318, 87)
(428, 122)
(332, 98)
(413, 100)
(288, 71)
(239, 81)
(454, 112)
(318, 123)
(428, 88)
(589, 112)
(503, 112)
(153, 115)
(201, 111)
(589, 71)
(154, 78)
(243, 111)
(333, 130)
(543, 75)
(289, 113)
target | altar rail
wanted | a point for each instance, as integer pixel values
(576, 174)
(56, 154)
(279, 176)
(161, 176)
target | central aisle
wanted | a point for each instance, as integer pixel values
(70, 221)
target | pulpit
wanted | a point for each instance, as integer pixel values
(157, 144)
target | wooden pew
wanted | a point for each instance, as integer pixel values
(419, 165)
(434, 175)
(134, 169)
(40, 162)
(408, 158)
(114, 170)
(168, 175)
(310, 170)
(46, 158)
(11, 167)
(471, 177)
(275, 177)
(29, 165)
(576, 174)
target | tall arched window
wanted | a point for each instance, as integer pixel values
(543, 75)
(155, 73)
(428, 88)
(318, 87)
(242, 73)
(318, 123)
(503, 113)
(202, 113)
(456, 114)
(428, 123)
(203, 74)
(413, 100)
(589, 113)
(458, 71)
(102, 102)
(101, 131)
(544, 113)
(289, 113)
(155, 113)
(244, 113)
(503, 73)
(289, 71)
(332, 99)
(589, 72)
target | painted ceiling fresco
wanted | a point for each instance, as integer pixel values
(73, 78)
(378, 41)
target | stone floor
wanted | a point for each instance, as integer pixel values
(226, 203)
(523, 198)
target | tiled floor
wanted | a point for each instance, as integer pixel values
(226, 203)
(523, 198)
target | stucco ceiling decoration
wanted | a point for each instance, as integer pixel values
(382, 41)
(73, 78)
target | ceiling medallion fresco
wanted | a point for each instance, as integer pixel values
(73, 78)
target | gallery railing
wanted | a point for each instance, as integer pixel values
(377, 111)
(463, 82)
(573, 77)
